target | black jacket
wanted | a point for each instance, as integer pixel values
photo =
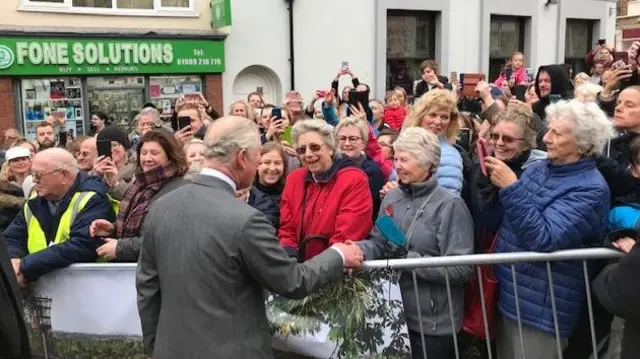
(423, 87)
(616, 287)
(14, 340)
(267, 200)
(614, 167)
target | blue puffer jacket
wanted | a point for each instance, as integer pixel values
(550, 208)
(449, 172)
(80, 247)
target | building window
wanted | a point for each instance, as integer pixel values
(411, 39)
(120, 7)
(507, 37)
(578, 42)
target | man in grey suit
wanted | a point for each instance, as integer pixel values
(208, 256)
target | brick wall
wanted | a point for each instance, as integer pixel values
(213, 89)
(7, 110)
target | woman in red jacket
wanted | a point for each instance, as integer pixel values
(327, 200)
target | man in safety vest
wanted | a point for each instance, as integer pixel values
(52, 230)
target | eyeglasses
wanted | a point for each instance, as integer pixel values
(384, 144)
(314, 147)
(38, 176)
(507, 140)
(351, 139)
(115, 145)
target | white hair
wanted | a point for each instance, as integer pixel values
(149, 111)
(421, 144)
(320, 127)
(228, 135)
(60, 159)
(354, 122)
(592, 129)
(587, 92)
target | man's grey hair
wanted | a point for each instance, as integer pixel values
(591, 127)
(321, 127)
(60, 159)
(149, 111)
(422, 145)
(228, 135)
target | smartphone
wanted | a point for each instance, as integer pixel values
(553, 98)
(390, 231)
(358, 97)
(621, 56)
(482, 148)
(464, 139)
(195, 97)
(602, 41)
(454, 75)
(183, 121)
(345, 66)
(508, 73)
(276, 112)
(104, 148)
(520, 91)
(58, 114)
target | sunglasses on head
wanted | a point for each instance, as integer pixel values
(505, 138)
(314, 147)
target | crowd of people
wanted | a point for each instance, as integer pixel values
(337, 172)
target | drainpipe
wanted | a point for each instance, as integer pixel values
(292, 62)
(482, 26)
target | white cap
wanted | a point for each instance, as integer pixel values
(16, 152)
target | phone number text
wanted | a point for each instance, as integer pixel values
(200, 62)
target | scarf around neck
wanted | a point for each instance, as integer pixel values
(133, 206)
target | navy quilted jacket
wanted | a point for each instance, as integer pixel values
(550, 208)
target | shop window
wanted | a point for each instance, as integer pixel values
(165, 90)
(507, 37)
(124, 7)
(411, 39)
(121, 98)
(578, 42)
(58, 97)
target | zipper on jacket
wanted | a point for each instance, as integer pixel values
(433, 312)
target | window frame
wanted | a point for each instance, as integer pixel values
(66, 6)
(590, 42)
(433, 18)
(522, 28)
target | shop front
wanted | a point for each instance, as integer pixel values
(76, 78)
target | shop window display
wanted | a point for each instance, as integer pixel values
(121, 98)
(47, 97)
(165, 90)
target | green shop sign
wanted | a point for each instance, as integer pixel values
(44, 56)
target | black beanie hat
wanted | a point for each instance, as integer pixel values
(114, 133)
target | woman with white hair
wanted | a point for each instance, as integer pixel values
(558, 203)
(327, 200)
(587, 92)
(435, 222)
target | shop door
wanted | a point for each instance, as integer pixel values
(121, 105)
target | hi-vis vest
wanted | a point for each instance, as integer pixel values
(36, 240)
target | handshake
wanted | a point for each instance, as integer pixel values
(351, 253)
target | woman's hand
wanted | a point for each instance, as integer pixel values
(617, 75)
(184, 135)
(500, 174)
(358, 112)
(329, 98)
(624, 244)
(388, 187)
(108, 170)
(243, 194)
(108, 250)
(275, 130)
(101, 228)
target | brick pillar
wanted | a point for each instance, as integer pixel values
(213, 86)
(7, 109)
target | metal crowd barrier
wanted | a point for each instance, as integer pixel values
(477, 260)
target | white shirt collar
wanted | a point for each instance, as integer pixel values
(217, 174)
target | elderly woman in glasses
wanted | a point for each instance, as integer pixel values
(352, 135)
(558, 203)
(327, 200)
(435, 222)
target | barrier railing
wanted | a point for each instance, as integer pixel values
(583, 255)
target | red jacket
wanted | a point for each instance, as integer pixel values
(338, 206)
(394, 117)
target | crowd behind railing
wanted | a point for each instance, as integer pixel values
(446, 167)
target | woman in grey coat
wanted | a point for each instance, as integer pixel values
(435, 222)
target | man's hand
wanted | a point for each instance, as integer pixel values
(15, 263)
(108, 249)
(391, 185)
(483, 90)
(101, 228)
(353, 255)
(624, 244)
(184, 135)
(243, 194)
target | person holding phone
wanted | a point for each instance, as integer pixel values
(196, 127)
(422, 219)
(159, 169)
(431, 79)
(336, 82)
(278, 126)
(112, 164)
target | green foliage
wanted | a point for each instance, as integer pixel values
(356, 312)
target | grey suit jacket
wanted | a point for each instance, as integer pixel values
(205, 260)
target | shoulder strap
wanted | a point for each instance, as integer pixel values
(418, 214)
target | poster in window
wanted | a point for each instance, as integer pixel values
(56, 89)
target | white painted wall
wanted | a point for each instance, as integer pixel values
(332, 31)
